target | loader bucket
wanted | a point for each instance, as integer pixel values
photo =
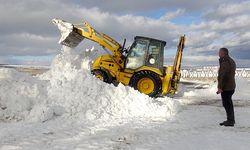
(69, 35)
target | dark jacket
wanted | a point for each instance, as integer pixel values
(226, 74)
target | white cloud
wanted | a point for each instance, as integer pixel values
(135, 6)
(200, 60)
(229, 9)
(27, 29)
(171, 15)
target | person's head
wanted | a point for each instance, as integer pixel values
(223, 52)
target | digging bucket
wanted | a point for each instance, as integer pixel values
(69, 35)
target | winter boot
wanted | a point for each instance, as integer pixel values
(228, 123)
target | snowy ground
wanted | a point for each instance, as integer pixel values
(67, 108)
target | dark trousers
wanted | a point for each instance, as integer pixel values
(228, 104)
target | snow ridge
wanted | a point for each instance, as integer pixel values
(68, 89)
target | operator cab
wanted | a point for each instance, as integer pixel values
(145, 52)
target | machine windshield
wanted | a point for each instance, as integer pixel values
(136, 54)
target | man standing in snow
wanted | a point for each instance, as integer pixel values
(226, 84)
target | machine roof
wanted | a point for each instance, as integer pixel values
(143, 37)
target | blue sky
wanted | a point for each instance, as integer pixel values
(31, 38)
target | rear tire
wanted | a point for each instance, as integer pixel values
(102, 75)
(147, 82)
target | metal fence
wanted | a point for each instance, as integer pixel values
(212, 72)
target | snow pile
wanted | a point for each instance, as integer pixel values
(18, 93)
(80, 94)
(69, 90)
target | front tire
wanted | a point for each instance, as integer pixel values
(102, 75)
(147, 82)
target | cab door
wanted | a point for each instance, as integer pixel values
(137, 54)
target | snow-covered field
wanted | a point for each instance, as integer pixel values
(67, 108)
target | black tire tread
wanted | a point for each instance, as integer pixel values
(106, 77)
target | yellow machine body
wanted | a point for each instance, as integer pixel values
(124, 77)
(112, 68)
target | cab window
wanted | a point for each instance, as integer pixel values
(153, 57)
(136, 56)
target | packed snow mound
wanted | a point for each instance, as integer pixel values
(18, 93)
(68, 89)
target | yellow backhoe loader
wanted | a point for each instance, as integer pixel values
(140, 66)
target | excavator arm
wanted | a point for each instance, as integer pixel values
(73, 34)
(177, 64)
